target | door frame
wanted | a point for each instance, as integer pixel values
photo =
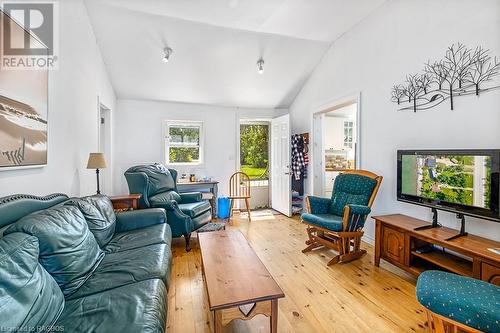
(332, 105)
(107, 183)
(256, 121)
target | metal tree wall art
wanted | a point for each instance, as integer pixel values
(463, 71)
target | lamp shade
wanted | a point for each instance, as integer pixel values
(96, 161)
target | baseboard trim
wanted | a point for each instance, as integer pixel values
(368, 239)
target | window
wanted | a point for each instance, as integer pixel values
(348, 133)
(184, 142)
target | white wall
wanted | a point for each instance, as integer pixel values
(73, 118)
(138, 134)
(397, 39)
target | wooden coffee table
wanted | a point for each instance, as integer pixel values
(238, 284)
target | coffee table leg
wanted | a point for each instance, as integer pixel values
(217, 321)
(274, 316)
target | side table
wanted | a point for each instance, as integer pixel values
(126, 202)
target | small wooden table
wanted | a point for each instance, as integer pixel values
(238, 284)
(126, 202)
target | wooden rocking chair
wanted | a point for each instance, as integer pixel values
(239, 189)
(337, 222)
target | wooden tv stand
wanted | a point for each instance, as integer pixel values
(397, 242)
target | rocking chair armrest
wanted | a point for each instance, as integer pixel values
(359, 209)
(318, 205)
(355, 217)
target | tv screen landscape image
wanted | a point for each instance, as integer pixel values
(458, 179)
(461, 181)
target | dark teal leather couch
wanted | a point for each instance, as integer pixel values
(186, 212)
(72, 265)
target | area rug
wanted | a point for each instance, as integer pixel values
(212, 226)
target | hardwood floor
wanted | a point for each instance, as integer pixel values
(352, 297)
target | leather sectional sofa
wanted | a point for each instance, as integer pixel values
(72, 265)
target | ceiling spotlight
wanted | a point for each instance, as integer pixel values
(260, 66)
(168, 52)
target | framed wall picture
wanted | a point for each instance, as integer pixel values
(23, 105)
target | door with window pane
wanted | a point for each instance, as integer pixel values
(184, 142)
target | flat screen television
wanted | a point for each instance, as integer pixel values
(465, 182)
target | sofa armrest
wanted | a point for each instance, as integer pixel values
(137, 219)
(318, 205)
(190, 197)
(355, 217)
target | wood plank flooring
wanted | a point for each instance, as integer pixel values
(352, 297)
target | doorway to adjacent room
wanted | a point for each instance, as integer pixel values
(336, 143)
(105, 146)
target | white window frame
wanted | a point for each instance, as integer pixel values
(166, 141)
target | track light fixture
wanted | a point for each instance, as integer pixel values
(167, 53)
(260, 66)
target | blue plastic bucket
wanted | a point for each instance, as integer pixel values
(223, 207)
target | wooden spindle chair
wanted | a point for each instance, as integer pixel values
(239, 189)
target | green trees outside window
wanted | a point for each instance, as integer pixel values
(183, 143)
(254, 150)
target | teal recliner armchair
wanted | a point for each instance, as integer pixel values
(186, 212)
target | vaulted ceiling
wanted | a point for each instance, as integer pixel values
(216, 45)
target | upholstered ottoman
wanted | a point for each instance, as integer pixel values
(456, 301)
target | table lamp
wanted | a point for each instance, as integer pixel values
(97, 161)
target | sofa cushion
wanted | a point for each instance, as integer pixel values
(137, 307)
(194, 209)
(104, 205)
(327, 221)
(29, 296)
(165, 197)
(100, 226)
(68, 250)
(155, 234)
(122, 268)
(469, 301)
(351, 189)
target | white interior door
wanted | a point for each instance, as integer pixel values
(281, 188)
